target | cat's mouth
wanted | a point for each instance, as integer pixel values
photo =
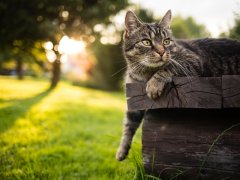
(154, 64)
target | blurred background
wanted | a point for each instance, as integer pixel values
(80, 41)
(61, 81)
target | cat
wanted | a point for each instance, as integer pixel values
(154, 56)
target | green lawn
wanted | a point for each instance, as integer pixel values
(67, 133)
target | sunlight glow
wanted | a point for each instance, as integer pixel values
(51, 56)
(64, 58)
(110, 33)
(71, 46)
(48, 45)
(65, 14)
(104, 40)
(98, 28)
(114, 39)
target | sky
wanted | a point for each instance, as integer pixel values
(216, 15)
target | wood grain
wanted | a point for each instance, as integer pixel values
(189, 92)
(231, 91)
(180, 128)
(177, 140)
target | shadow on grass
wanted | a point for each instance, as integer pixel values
(9, 114)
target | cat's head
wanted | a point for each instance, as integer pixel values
(149, 44)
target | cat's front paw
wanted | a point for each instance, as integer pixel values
(121, 155)
(154, 88)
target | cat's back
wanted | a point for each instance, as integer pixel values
(219, 56)
(221, 46)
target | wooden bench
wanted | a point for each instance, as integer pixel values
(193, 130)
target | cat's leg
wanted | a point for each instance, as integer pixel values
(156, 84)
(132, 121)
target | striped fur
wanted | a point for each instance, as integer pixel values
(156, 63)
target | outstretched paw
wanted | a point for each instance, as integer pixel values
(121, 155)
(154, 88)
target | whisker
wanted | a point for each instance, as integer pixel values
(137, 67)
(122, 69)
(118, 71)
(185, 71)
(173, 67)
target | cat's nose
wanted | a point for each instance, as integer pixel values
(160, 50)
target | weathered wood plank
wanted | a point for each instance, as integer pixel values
(192, 92)
(181, 138)
(226, 163)
(188, 147)
(186, 173)
(231, 91)
(135, 89)
(181, 127)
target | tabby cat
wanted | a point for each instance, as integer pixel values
(154, 56)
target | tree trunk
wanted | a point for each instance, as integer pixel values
(19, 67)
(1, 66)
(56, 72)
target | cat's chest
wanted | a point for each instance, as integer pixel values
(142, 76)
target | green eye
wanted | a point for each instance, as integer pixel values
(166, 42)
(146, 42)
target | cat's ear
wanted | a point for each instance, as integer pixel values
(166, 20)
(132, 22)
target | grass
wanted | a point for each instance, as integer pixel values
(67, 133)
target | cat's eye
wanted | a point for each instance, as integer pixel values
(146, 42)
(166, 42)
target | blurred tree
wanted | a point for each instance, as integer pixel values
(145, 15)
(25, 22)
(110, 62)
(110, 67)
(181, 27)
(188, 28)
(235, 30)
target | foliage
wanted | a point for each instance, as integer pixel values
(110, 66)
(235, 30)
(145, 15)
(40, 20)
(187, 28)
(76, 136)
(182, 28)
(43, 20)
